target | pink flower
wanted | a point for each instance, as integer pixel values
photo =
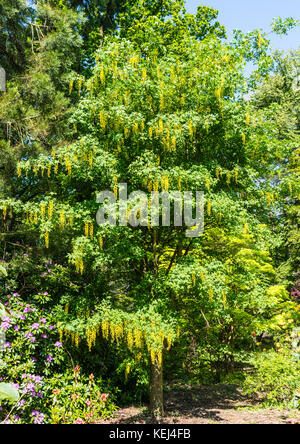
(78, 421)
(88, 402)
(104, 397)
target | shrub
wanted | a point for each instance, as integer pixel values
(78, 399)
(276, 377)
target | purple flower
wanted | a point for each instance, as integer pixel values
(58, 344)
(5, 325)
(38, 417)
(16, 328)
(49, 358)
(22, 317)
(35, 326)
(43, 321)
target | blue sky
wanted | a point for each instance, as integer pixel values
(255, 14)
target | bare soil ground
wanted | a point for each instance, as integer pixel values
(208, 405)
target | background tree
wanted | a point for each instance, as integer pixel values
(15, 34)
(280, 93)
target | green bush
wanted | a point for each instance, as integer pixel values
(77, 399)
(276, 377)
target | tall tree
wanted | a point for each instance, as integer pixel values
(160, 121)
(15, 33)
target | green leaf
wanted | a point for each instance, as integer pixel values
(8, 392)
(3, 270)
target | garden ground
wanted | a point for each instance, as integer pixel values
(221, 404)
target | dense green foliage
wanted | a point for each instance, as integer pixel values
(143, 93)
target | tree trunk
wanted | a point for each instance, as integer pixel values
(156, 389)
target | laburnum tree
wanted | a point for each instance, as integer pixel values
(161, 117)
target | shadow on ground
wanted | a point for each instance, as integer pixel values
(221, 404)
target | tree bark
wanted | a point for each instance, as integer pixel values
(156, 389)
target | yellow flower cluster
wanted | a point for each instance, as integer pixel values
(209, 207)
(46, 236)
(91, 336)
(165, 183)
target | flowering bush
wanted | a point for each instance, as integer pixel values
(79, 400)
(32, 342)
(33, 351)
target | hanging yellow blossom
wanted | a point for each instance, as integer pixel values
(91, 160)
(62, 219)
(228, 178)
(236, 174)
(153, 356)
(71, 84)
(130, 341)
(86, 228)
(91, 231)
(101, 242)
(207, 184)
(218, 92)
(103, 120)
(43, 210)
(144, 74)
(179, 183)
(116, 191)
(81, 266)
(194, 279)
(102, 77)
(138, 338)
(50, 209)
(46, 236)
(209, 207)
(161, 126)
(127, 371)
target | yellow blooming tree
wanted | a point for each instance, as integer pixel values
(159, 118)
